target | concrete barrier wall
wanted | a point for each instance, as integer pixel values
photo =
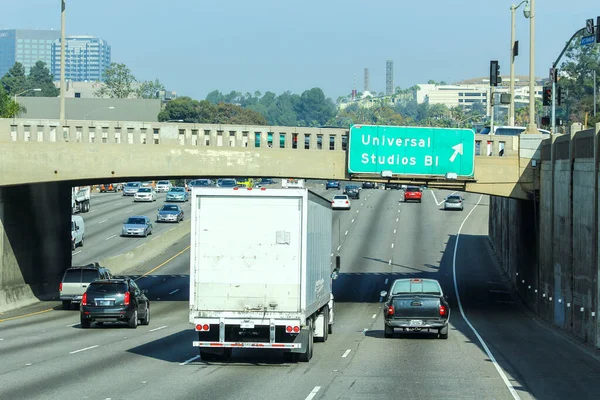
(560, 280)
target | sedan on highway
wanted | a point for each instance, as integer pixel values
(415, 305)
(353, 191)
(163, 186)
(131, 188)
(169, 213)
(145, 194)
(453, 202)
(227, 183)
(341, 202)
(177, 194)
(137, 225)
(332, 185)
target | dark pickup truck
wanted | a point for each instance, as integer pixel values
(415, 305)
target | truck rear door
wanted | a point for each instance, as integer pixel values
(416, 306)
(248, 253)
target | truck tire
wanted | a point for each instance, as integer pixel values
(307, 355)
(85, 323)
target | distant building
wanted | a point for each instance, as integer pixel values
(86, 58)
(26, 46)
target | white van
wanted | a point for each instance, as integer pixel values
(77, 231)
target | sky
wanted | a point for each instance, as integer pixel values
(194, 47)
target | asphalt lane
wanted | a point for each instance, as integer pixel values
(47, 356)
(105, 219)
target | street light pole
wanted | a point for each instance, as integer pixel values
(511, 108)
(530, 9)
(62, 61)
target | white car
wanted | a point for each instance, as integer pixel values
(145, 194)
(163, 186)
(454, 202)
(340, 202)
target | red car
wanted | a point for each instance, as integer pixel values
(412, 193)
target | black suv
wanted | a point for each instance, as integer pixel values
(115, 300)
(352, 191)
(368, 185)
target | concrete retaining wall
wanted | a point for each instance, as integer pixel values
(559, 281)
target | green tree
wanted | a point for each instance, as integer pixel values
(8, 107)
(118, 82)
(314, 109)
(15, 80)
(40, 78)
(149, 89)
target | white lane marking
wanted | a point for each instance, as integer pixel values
(331, 254)
(346, 353)
(156, 329)
(357, 211)
(174, 291)
(362, 204)
(386, 279)
(394, 230)
(339, 247)
(128, 211)
(77, 252)
(190, 360)
(352, 219)
(70, 325)
(397, 219)
(398, 210)
(374, 316)
(365, 330)
(439, 203)
(110, 237)
(510, 387)
(87, 348)
(103, 221)
(313, 393)
(392, 245)
(346, 233)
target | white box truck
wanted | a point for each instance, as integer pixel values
(261, 270)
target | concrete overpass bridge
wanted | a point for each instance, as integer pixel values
(42, 159)
(44, 151)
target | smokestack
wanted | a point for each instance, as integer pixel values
(366, 79)
(389, 78)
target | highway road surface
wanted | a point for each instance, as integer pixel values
(495, 350)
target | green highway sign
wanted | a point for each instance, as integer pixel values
(407, 150)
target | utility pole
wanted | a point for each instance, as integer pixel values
(595, 92)
(62, 61)
(492, 106)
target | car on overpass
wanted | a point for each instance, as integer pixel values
(509, 130)
(114, 300)
(415, 305)
(177, 194)
(137, 225)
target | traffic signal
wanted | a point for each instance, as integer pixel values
(546, 121)
(559, 96)
(495, 78)
(547, 96)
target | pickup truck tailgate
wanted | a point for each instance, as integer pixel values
(416, 306)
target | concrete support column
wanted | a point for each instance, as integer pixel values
(289, 140)
(313, 141)
(34, 241)
(137, 136)
(85, 134)
(338, 142)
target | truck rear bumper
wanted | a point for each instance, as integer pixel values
(247, 345)
(412, 323)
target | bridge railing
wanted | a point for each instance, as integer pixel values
(208, 135)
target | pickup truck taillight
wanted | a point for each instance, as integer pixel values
(84, 300)
(60, 287)
(390, 310)
(443, 310)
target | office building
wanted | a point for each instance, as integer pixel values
(26, 46)
(86, 58)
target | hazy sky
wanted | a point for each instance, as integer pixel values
(196, 46)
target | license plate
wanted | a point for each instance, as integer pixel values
(247, 325)
(416, 322)
(104, 302)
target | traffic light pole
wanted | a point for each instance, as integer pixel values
(492, 106)
(554, 103)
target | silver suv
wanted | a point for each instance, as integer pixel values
(76, 280)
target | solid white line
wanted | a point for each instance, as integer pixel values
(374, 316)
(110, 237)
(160, 327)
(346, 233)
(103, 221)
(346, 353)
(128, 211)
(87, 348)
(174, 291)
(77, 252)
(190, 360)
(510, 387)
(313, 393)
(339, 247)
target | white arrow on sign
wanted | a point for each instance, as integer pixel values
(458, 149)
